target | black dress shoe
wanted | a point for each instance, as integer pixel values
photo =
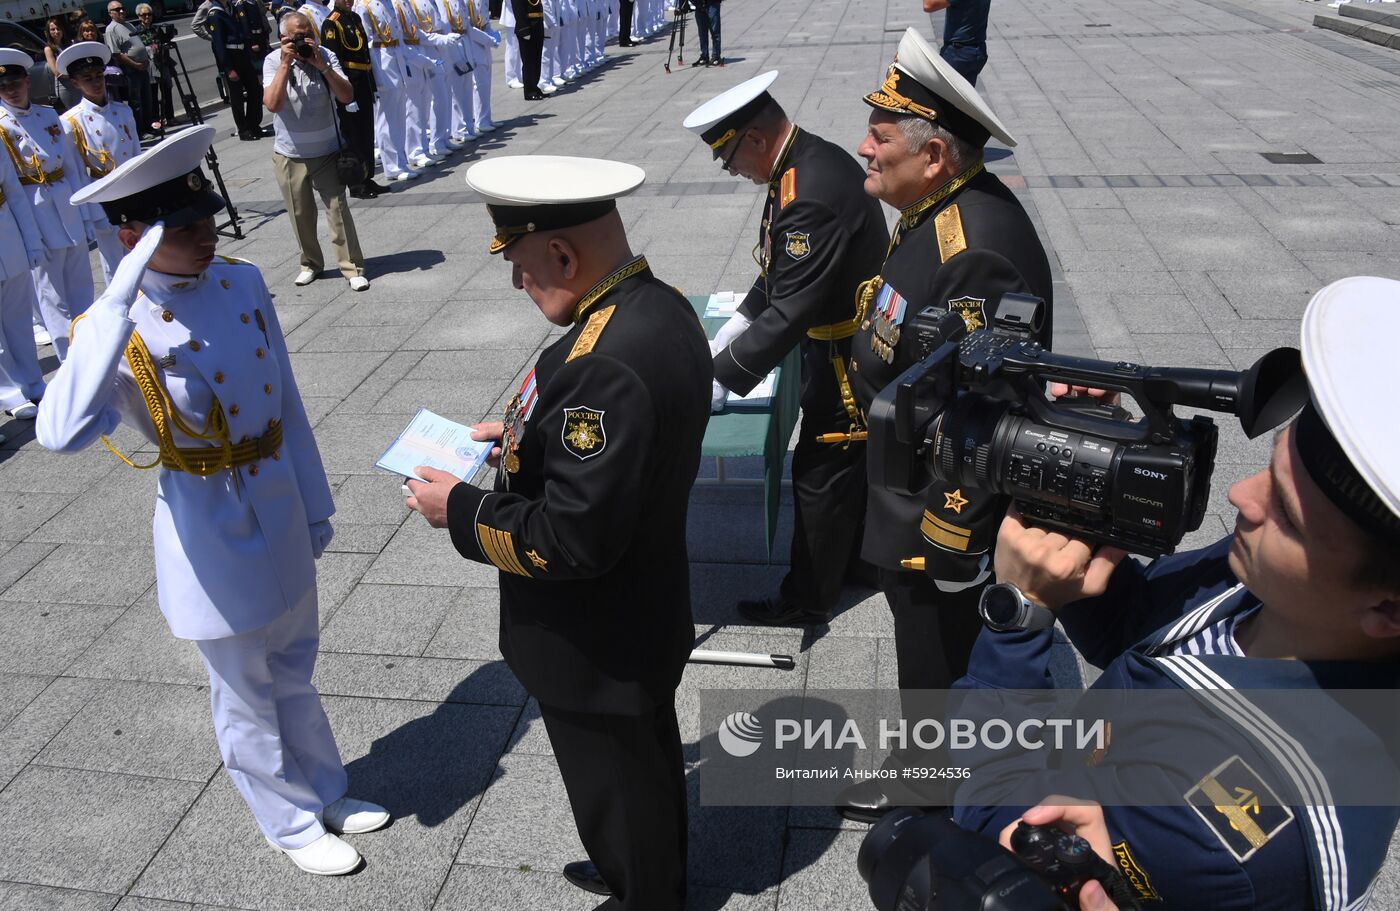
(777, 612)
(534, 95)
(363, 193)
(376, 188)
(864, 801)
(703, 61)
(583, 874)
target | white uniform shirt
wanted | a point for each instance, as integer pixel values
(35, 137)
(317, 13)
(387, 51)
(232, 550)
(105, 136)
(19, 234)
(438, 39)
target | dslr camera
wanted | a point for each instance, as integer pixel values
(913, 861)
(973, 412)
(165, 33)
(303, 47)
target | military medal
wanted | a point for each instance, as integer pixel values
(517, 413)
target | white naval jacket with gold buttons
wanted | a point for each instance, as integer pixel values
(46, 161)
(232, 550)
(105, 136)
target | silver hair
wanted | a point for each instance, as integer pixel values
(282, 27)
(918, 132)
(144, 8)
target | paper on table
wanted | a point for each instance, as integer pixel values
(436, 442)
(722, 304)
(759, 396)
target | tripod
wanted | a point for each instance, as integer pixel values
(230, 228)
(678, 27)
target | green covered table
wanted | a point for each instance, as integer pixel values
(743, 429)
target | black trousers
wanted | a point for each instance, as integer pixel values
(358, 126)
(828, 492)
(624, 21)
(530, 37)
(245, 93)
(626, 781)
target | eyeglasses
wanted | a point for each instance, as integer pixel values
(728, 159)
(116, 10)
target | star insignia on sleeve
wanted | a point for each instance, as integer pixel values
(955, 501)
(540, 562)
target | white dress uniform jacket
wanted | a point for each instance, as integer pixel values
(316, 12)
(21, 378)
(105, 136)
(233, 551)
(392, 66)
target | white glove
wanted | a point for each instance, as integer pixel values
(731, 330)
(321, 534)
(718, 395)
(126, 280)
(352, 108)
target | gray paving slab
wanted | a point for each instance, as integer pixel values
(138, 646)
(470, 628)
(156, 730)
(471, 887)
(125, 820)
(432, 679)
(37, 723)
(819, 870)
(24, 897)
(43, 637)
(18, 559)
(17, 691)
(387, 619)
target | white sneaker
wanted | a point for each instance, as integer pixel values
(456, 142)
(516, 84)
(559, 80)
(26, 412)
(326, 856)
(424, 162)
(41, 336)
(305, 277)
(548, 88)
(359, 283)
(406, 175)
(349, 816)
(487, 127)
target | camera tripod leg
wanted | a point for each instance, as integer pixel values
(232, 227)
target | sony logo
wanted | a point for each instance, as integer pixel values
(1148, 473)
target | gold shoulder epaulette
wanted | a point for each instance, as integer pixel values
(591, 330)
(789, 188)
(949, 226)
(234, 261)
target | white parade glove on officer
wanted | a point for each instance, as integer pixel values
(727, 333)
(76, 407)
(321, 534)
(718, 395)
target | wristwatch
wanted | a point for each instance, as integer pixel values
(1005, 608)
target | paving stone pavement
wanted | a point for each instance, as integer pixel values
(1143, 125)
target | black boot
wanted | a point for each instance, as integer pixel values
(778, 612)
(583, 874)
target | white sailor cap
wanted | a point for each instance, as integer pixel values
(14, 62)
(83, 54)
(922, 83)
(526, 193)
(1350, 448)
(164, 182)
(719, 119)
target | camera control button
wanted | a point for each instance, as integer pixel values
(1040, 447)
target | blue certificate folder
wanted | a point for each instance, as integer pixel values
(434, 441)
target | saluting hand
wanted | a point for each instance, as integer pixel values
(428, 497)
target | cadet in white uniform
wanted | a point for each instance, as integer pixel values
(512, 62)
(392, 67)
(461, 70)
(104, 131)
(21, 378)
(316, 11)
(444, 49)
(46, 162)
(481, 41)
(186, 347)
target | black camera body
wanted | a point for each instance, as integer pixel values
(165, 33)
(305, 50)
(914, 861)
(973, 412)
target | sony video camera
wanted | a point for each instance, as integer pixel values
(973, 412)
(915, 861)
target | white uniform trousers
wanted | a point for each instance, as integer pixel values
(390, 127)
(63, 286)
(440, 91)
(273, 734)
(109, 250)
(21, 379)
(550, 64)
(418, 103)
(481, 91)
(463, 102)
(512, 55)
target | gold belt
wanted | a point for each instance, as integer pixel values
(352, 65)
(834, 331)
(207, 459)
(43, 178)
(391, 42)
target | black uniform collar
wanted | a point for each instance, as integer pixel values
(780, 163)
(637, 266)
(910, 216)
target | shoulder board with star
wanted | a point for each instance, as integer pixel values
(949, 227)
(788, 188)
(592, 329)
(233, 260)
(335, 15)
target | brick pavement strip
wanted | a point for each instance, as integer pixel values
(1144, 125)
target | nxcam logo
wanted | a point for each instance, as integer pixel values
(741, 734)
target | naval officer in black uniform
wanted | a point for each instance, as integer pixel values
(587, 521)
(529, 34)
(343, 34)
(821, 236)
(962, 241)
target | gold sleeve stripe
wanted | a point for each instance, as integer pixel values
(73, 325)
(499, 547)
(589, 336)
(945, 534)
(949, 226)
(789, 187)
